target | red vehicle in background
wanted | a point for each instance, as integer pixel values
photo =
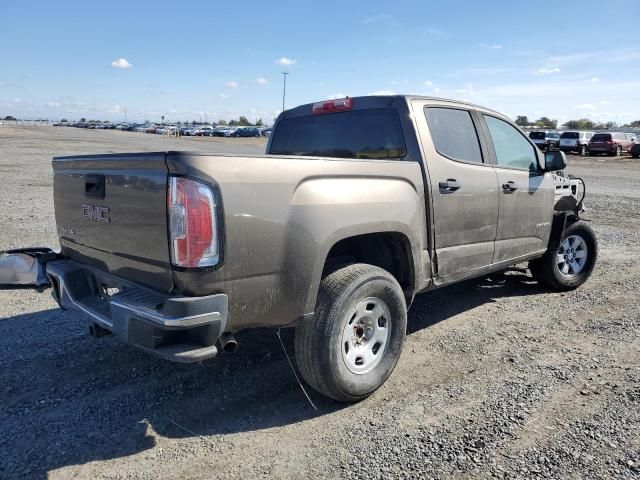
(611, 143)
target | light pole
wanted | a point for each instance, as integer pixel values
(284, 87)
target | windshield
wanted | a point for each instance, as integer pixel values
(537, 135)
(368, 133)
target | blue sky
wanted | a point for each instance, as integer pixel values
(188, 60)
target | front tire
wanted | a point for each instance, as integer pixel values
(570, 264)
(354, 340)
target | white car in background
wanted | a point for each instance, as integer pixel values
(575, 141)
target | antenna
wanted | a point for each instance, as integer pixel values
(284, 87)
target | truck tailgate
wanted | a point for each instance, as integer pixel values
(111, 213)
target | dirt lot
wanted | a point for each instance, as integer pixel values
(499, 378)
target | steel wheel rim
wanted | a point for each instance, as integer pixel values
(366, 335)
(572, 256)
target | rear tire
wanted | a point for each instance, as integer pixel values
(354, 340)
(570, 264)
(583, 151)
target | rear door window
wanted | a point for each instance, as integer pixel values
(454, 134)
(373, 133)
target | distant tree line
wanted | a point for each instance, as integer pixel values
(581, 124)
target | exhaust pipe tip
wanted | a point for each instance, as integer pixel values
(228, 343)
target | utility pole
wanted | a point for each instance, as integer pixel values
(284, 87)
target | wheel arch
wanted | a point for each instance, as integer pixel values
(392, 250)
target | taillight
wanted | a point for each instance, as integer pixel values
(192, 223)
(330, 106)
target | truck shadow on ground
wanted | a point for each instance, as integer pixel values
(69, 399)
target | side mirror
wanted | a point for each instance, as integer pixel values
(554, 160)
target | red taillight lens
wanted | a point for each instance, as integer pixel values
(192, 223)
(331, 106)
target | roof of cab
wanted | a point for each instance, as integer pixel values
(378, 101)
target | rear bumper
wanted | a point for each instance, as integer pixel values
(602, 148)
(181, 329)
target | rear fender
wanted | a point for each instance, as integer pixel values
(325, 211)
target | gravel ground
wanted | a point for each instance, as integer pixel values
(507, 381)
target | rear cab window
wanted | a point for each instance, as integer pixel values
(537, 135)
(374, 133)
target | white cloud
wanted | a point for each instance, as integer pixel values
(594, 80)
(603, 102)
(382, 92)
(52, 104)
(586, 106)
(222, 95)
(121, 63)
(232, 84)
(429, 83)
(262, 81)
(494, 46)
(284, 61)
(547, 71)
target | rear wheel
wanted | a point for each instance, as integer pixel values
(583, 150)
(354, 340)
(571, 263)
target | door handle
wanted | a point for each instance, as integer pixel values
(510, 186)
(449, 185)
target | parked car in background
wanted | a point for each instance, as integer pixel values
(631, 136)
(575, 141)
(265, 132)
(611, 143)
(202, 130)
(229, 132)
(545, 140)
(247, 132)
(219, 131)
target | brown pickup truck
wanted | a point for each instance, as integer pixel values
(358, 205)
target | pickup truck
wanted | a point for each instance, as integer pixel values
(358, 205)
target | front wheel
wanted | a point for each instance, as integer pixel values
(354, 340)
(570, 264)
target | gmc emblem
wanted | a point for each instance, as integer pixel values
(95, 214)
